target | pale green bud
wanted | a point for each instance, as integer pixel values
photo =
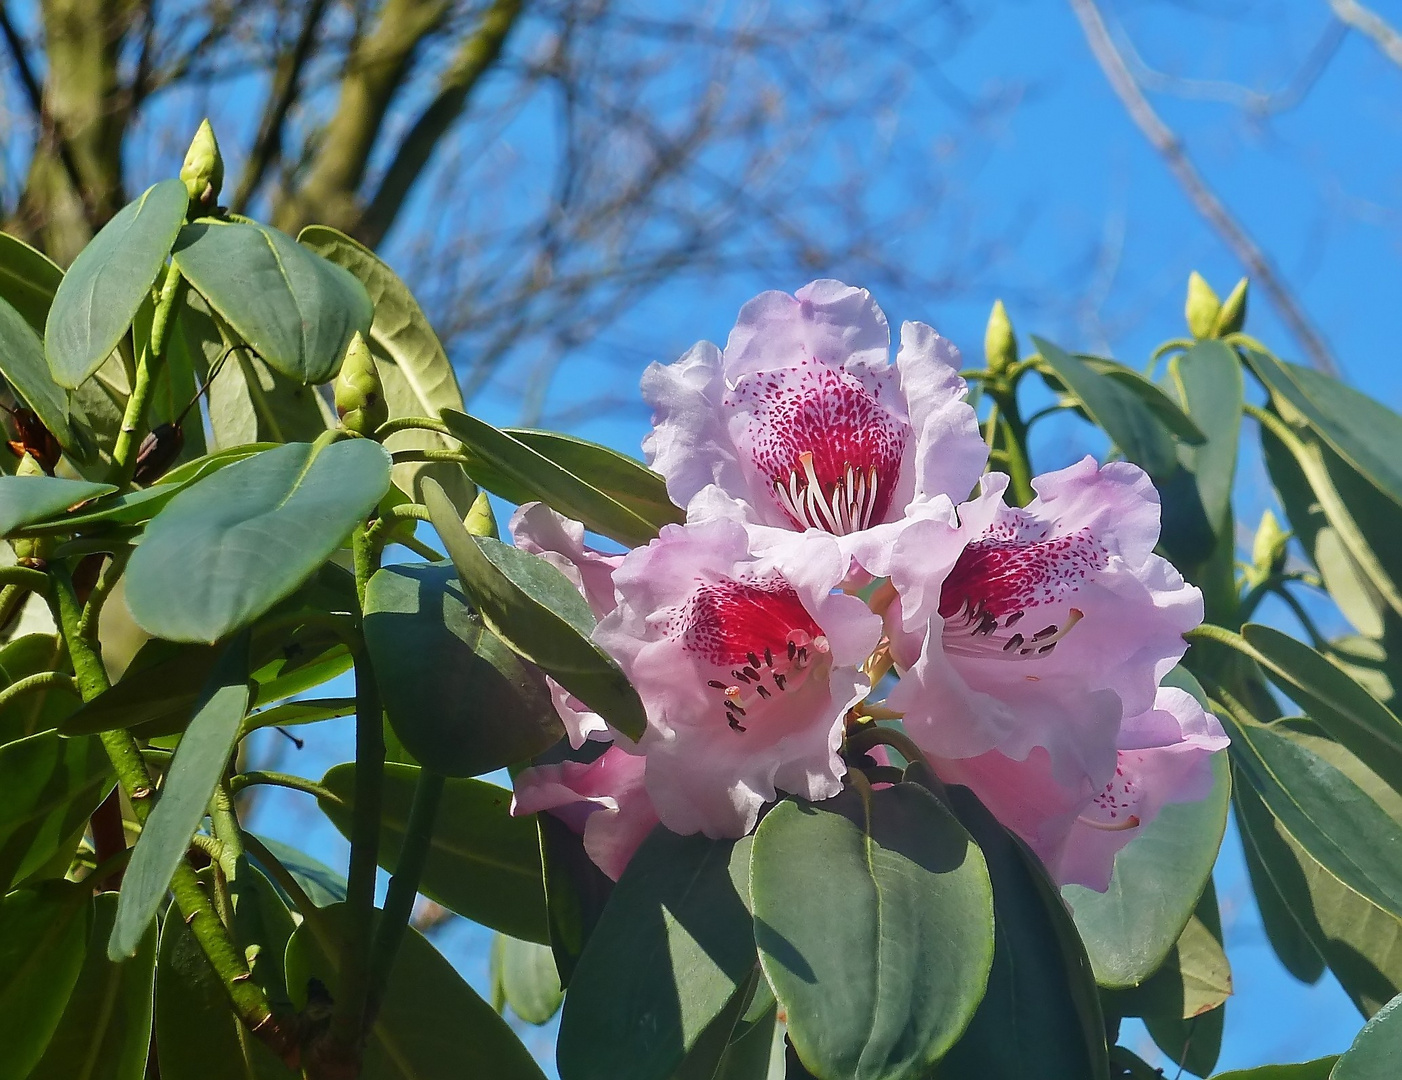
(480, 520)
(1268, 548)
(1202, 306)
(203, 171)
(1232, 317)
(360, 399)
(999, 341)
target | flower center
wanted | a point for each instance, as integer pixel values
(1113, 809)
(841, 507)
(760, 636)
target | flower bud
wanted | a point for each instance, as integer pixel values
(1202, 307)
(1232, 317)
(999, 341)
(480, 520)
(203, 171)
(1269, 548)
(360, 399)
(31, 552)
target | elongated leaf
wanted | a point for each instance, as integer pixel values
(48, 787)
(228, 548)
(1376, 1052)
(105, 1031)
(1170, 413)
(200, 760)
(618, 476)
(43, 938)
(1131, 425)
(302, 711)
(482, 863)
(1207, 379)
(38, 710)
(679, 915)
(455, 693)
(321, 884)
(28, 280)
(1318, 1069)
(295, 308)
(524, 975)
(874, 921)
(576, 892)
(98, 297)
(1041, 1014)
(533, 608)
(23, 365)
(432, 1025)
(532, 472)
(27, 499)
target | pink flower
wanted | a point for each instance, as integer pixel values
(1163, 756)
(604, 801)
(1037, 627)
(804, 421)
(746, 664)
(560, 541)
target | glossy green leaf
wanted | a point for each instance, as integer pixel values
(1169, 412)
(200, 761)
(576, 892)
(527, 470)
(455, 693)
(618, 476)
(43, 939)
(874, 921)
(1207, 380)
(38, 710)
(432, 1025)
(524, 977)
(48, 787)
(1318, 1069)
(1333, 819)
(105, 1031)
(707, 1054)
(228, 548)
(27, 499)
(295, 308)
(98, 297)
(28, 280)
(1158, 877)
(24, 368)
(532, 606)
(679, 916)
(483, 863)
(1377, 1051)
(1041, 1014)
(1118, 410)
(322, 885)
(301, 711)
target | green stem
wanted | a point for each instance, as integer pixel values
(134, 426)
(1219, 634)
(111, 574)
(410, 423)
(404, 885)
(1008, 423)
(12, 598)
(862, 740)
(375, 533)
(282, 780)
(24, 578)
(400, 457)
(311, 914)
(43, 680)
(226, 827)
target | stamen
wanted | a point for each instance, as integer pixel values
(1131, 822)
(752, 658)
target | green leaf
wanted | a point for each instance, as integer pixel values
(670, 951)
(1377, 1049)
(628, 482)
(415, 374)
(527, 471)
(43, 939)
(1333, 819)
(27, 499)
(28, 280)
(200, 761)
(533, 607)
(1169, 412)
(1207, 379)
(455, 693)
(39, 710)
(874, 921)
(301, 711)
(432, 1025)
(227, 549)
(23, 365)
(523, 973)
(98, 297)
(322, 885)
(576, 892)
(1041, 1014)
(1131, 425)
(1158, 877)
(295, 308)
(1318, 1069)
(105, 1032)
(482, 863)
(1362, 430)
(48, 787)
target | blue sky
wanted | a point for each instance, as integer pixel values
(1317, 185)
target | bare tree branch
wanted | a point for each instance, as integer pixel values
(1170, 147)
(1366, 21)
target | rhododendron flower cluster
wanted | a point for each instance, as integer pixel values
(1030, 643)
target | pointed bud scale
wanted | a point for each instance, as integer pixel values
(1268, 549)
(1202, 307)
(203, 171)
(480, 520)
(999, 341)
(360, 400)
(1232, 317)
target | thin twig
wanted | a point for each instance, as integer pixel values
(1370, 23)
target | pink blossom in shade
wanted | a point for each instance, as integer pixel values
(1037, 627)
(560, 541)
(804, 421)
(1163, 756)
(605, 801)
(746, 665)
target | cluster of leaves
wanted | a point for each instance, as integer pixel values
(888, 933)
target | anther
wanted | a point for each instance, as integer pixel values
(779, 680)
(1013, 642)
(1013, 618)
(762, 691)
(716, 684)
(1044, 632)
(753, 659)
(751, 674)
(768, 657)
(793, 650)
